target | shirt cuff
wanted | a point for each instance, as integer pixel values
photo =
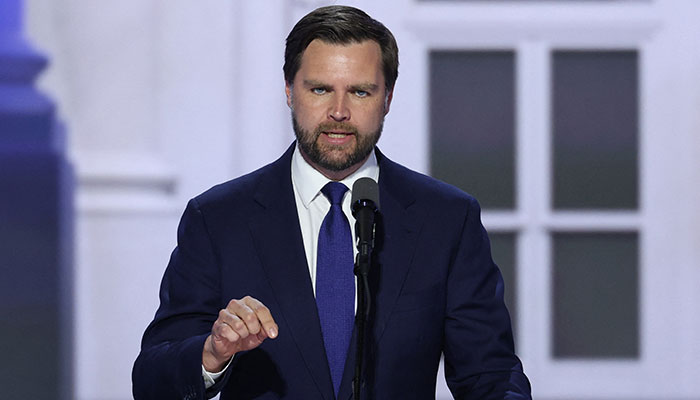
(211, 377)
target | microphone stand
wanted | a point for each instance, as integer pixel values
(365, 246)
(362, 267)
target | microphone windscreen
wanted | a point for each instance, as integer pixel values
(365, 189)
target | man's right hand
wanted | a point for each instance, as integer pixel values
(243, 325)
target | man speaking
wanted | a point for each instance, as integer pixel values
(258, 300)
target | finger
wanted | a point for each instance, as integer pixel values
(222, 332)
(246, 315)
(263, 315)
(224, 341)
(234, 322)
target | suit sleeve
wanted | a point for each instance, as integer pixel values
(480, 362)
(169, 365)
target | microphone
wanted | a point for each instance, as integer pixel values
(365, 205)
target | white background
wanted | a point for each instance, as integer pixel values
(164, 98)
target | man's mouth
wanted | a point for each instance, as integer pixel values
(337, 135)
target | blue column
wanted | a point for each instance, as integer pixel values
(36, 227)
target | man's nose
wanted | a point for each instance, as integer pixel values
(339, 110)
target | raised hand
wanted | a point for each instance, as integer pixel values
(243, 325)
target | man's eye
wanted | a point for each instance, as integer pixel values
(318, 90)
(361, 93)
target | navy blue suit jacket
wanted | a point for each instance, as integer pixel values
(435, 290)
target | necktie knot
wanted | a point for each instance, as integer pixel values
(334, 192)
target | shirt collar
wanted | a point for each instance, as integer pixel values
(309, 182)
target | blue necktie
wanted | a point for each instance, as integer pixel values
(335, 282)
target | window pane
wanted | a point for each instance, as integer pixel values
(595, 124)
(595, 295)
(472, 123)
(503, 252)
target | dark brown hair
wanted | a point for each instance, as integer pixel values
(340, 25)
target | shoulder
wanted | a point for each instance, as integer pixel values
(410, 184)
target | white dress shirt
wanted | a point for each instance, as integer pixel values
(312, 207)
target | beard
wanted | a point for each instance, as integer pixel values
(335, 157)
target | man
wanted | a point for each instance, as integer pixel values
(257, 301)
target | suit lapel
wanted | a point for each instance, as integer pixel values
(398, 230)
(279, 244)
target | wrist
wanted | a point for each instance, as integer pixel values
(210, 361)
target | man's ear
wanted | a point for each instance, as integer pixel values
(288, 92)
(387, 101)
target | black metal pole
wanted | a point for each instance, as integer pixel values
(362, 267)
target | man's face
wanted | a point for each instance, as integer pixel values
(338, 102)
